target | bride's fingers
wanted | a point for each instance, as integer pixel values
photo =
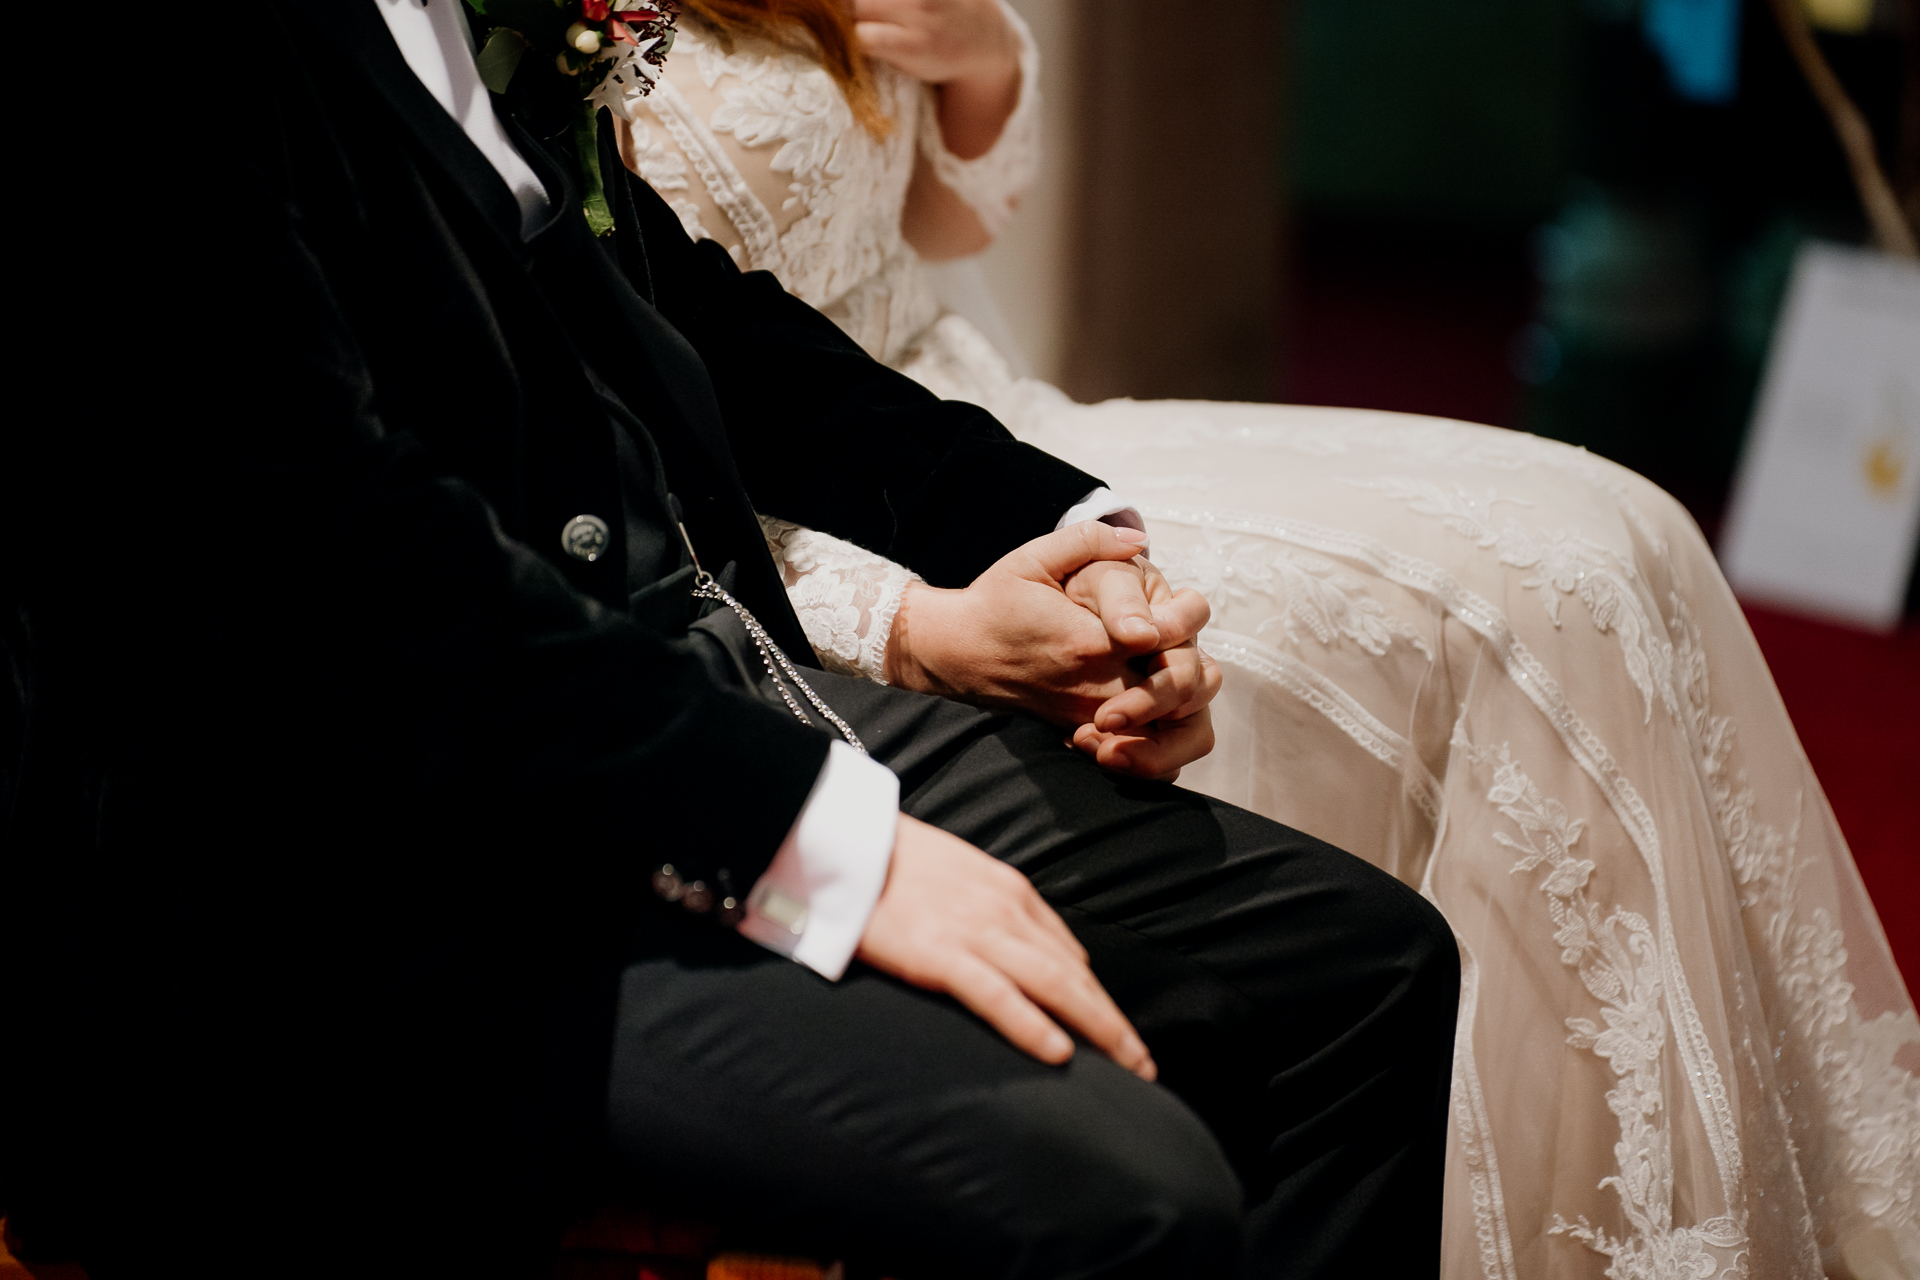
(897, 13)
(1120, 598)
(1180, 617)
(1158, 755)
(1164, 755)
(1210, 681)
(1181, 681)
(890, 42)
(1126, 753)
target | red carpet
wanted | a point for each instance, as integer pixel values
(1855, 701)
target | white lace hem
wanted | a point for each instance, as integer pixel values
(992, 184)
(846, 596)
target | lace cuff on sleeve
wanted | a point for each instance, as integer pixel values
(992, 184)
(846, 596)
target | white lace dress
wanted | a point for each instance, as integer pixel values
(1505, 670)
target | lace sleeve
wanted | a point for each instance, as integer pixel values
(846, 596)
(992, 184)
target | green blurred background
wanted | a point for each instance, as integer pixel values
(1501, 210)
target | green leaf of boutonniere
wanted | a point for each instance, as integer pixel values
(499, 58)
(593, 194)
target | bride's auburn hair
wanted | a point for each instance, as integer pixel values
(824, 28)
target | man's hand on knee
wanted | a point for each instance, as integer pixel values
(1079, 629)
(955, 920)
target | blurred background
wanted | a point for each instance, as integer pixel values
(1571, 217)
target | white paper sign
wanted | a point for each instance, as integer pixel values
(1826, 507)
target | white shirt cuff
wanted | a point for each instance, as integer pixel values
(1105, 505)
(813, 902)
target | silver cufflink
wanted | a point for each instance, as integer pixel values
(789, 912)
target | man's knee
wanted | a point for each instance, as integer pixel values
(1112, 1176)
(1433, 953)
(1415, 947)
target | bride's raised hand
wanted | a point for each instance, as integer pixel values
(939, 41)
(964, 47)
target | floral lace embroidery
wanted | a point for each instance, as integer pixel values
(1532, 677)
(1459, 444)
(1325, 600)
(834, 241)
(665, 170)
(1619, 964)
(846, 596)
(840, 248)
(992, 184)
(1564, 563)
(1859, 1134)
(760, 247)
(1319, 596)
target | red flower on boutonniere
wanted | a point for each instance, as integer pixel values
(601, 25)
(575, 34)
(621, 26)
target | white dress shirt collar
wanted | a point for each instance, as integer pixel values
(434, 39)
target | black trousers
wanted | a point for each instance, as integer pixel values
(1299, 1002)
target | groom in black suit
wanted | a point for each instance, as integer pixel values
(396, 846)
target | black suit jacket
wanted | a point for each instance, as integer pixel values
(338, 782)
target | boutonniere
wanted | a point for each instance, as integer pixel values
(579, 55)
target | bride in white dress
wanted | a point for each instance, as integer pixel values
(1505, 670)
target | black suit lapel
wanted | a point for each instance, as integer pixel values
(673, 395)
(356, 29)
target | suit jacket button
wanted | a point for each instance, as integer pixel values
(585, 537)
(697, 898)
